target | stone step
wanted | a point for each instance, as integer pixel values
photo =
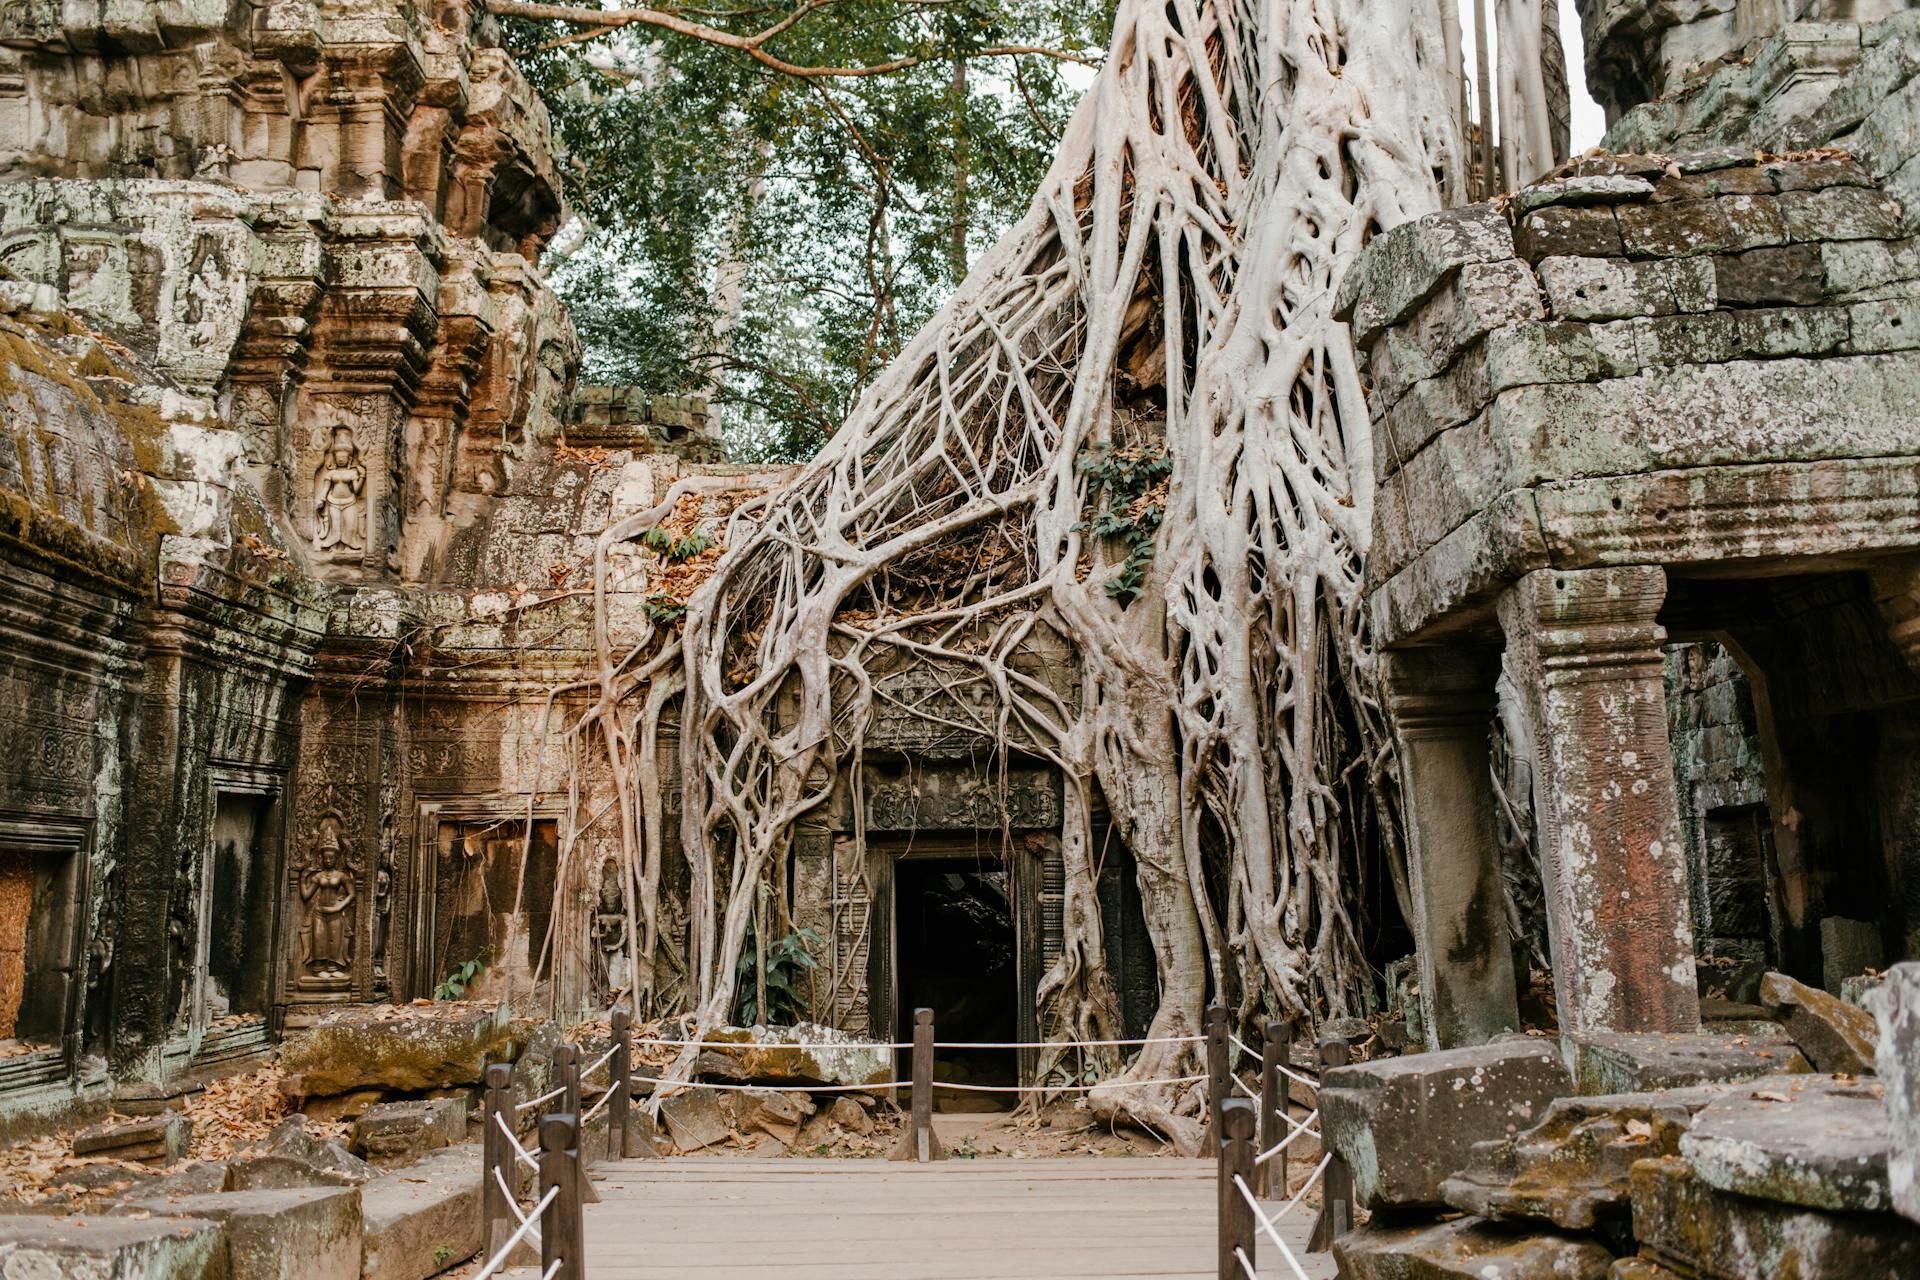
(150, 1249)
(424, 1218)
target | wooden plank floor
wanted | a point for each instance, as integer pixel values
(983, 1219)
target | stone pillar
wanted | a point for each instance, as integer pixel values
(1584, 652)
(1442, 704)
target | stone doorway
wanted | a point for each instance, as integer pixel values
(42, 964)
(491, 899)
(956, 948)
(230, 988)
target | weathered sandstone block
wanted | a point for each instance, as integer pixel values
(1608, 1063)
(1896, 1004)
(302, 1234)
(425, 1221)
(1682, 1222)
(422, 1048)
(1467, 1249)
(1404, 1124)
(35, 1245)
(1804, 1142)
(396, 1132)
(1833, 1034)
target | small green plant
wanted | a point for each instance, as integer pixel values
(442, 1255)
(456, 984)
(1131, 502)
(664, 608)
(674, 548)
(787, 959)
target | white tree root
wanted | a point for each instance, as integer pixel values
(1169, 289)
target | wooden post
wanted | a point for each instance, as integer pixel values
(920, 1142)
(621, 1144)
(1274, 1051)
(566, 1074)
(1235, 1121)
(1336, 1188)
(496, 1153)
(1216, 1028)
(561, 1235)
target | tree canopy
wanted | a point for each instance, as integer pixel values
(772, 201)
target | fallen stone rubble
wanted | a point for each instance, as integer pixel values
(1503, 1160)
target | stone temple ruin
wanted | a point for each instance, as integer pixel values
(300, 489)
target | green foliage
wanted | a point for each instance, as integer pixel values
(456, 984)
(442, 1255)
(675, 548)
(787, 960)
(780, 237)
(1126, 486)
(665, 609)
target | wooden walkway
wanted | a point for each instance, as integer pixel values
(982, 1219)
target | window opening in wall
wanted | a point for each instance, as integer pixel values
(956, 953)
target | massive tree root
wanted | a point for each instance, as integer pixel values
(1138, 427)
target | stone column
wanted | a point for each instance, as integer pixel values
(1584, 652)
(1442, 704)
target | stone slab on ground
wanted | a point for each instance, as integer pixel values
(1574, 1168)
(295, 1156)
(1896, 1007)
(1467, 1249)
(1701, 1231)
(1835, 1035)
(42, 1247)
(695, 1120)
(1609, 1062)
(407, 1047)
(1405, 1124)
(157, 1140)
(300, 1234)
(424, 1219)
(772, 1055)
(1809, 1142)
(397, 1132)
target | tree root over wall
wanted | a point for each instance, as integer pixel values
(1138, 426)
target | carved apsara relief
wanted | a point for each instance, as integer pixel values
(339, 499)
(327, 898)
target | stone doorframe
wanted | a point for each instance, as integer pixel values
(269, 844)
(71, 840)
(1024, 867)
(415, 960)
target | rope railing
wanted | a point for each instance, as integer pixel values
(1249, 1170)
(880, 1047)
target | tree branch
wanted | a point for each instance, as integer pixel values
(611, 20)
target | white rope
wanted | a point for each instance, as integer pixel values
(1242, 1045)
(520, 1153)
(1059, 1044)
(1266, 1225)
(552, 1270)
(749, 1044)
(1311, 1179)
(938, 1044)
(1246, 1268)
(1244, 1087)
(1281, 1145)
(1062, 1088)
(600, 1061)
(548, 1096)
(594, 1110)
(1297, 1078)
(668, 1086)
(526, 1225)
(513, 1205)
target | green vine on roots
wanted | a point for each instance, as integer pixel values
(665, 609)
(1132, 487)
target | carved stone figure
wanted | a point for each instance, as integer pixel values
(339, 485)
(328, 894)
(611, 969)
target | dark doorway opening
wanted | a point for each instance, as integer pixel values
(957, 956)
(239, 920)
